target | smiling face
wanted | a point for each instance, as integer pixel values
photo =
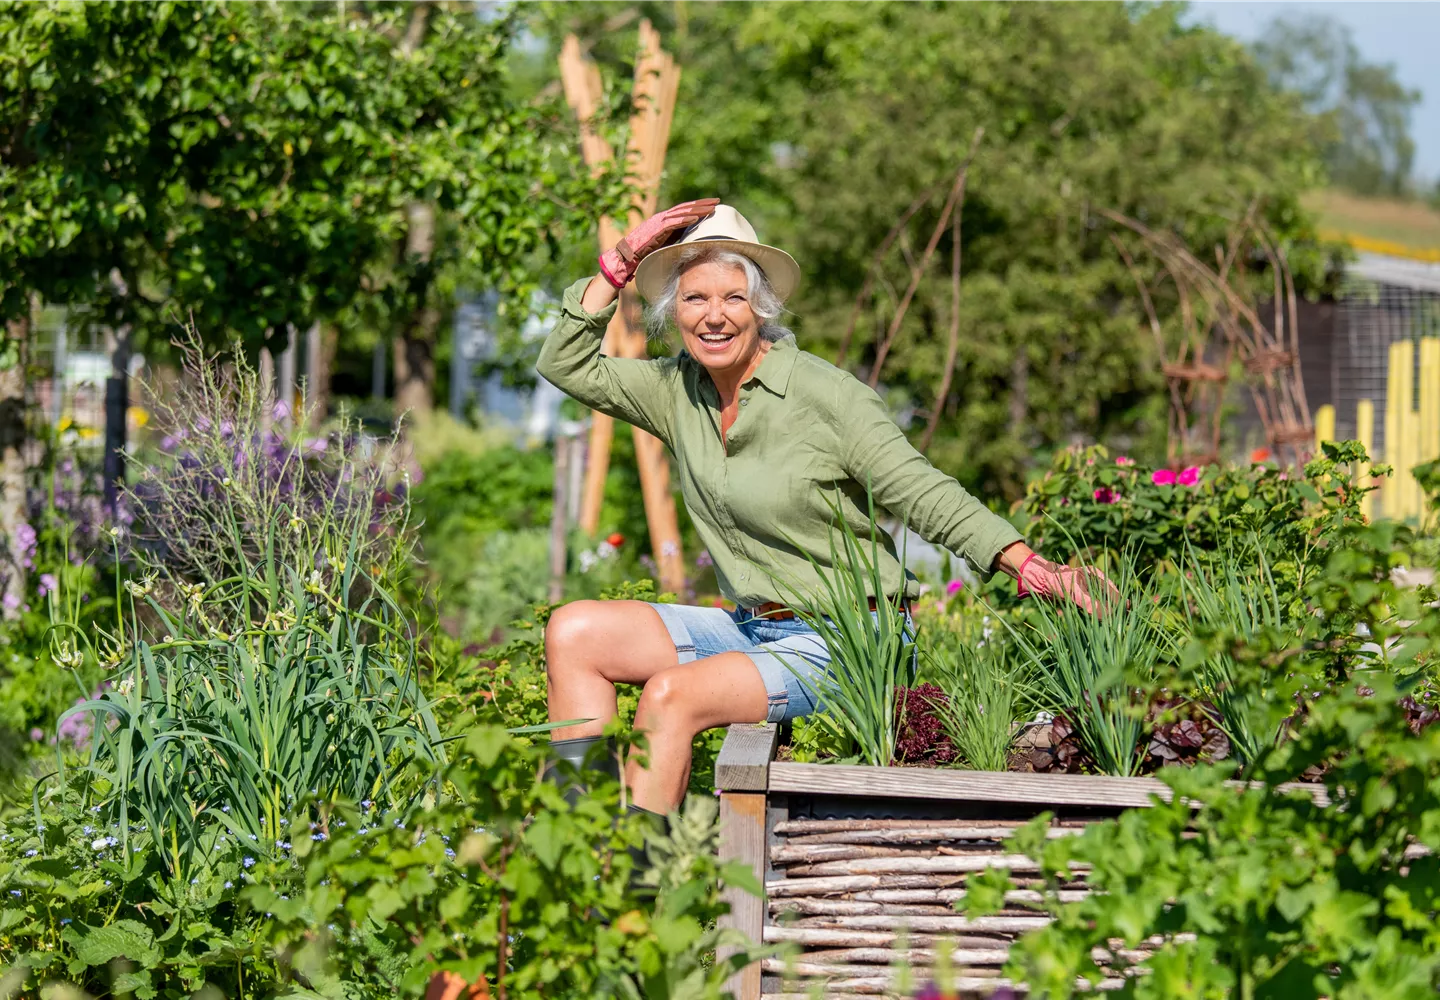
(712, 309)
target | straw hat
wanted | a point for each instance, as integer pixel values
(728, 229)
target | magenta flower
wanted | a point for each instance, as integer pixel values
(1123, 460)
(37, 734)
(954, 587)
(1189, 476)
(1163, 477)
(1106, 495)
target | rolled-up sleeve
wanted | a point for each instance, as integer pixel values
(636, 391)
(904, 482)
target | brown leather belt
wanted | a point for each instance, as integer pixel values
(780, 613)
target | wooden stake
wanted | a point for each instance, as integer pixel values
(657, 80)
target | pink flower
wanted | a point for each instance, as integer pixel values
(954, 587)
(1106, 495)
(1163, 477)
(1123, 460)
(1189, 476)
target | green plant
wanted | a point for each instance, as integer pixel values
(1099, 669)
(1255, 892)
(987, 691)
(260, 693)
(871, 652)
(1233, 604)
(502, 881)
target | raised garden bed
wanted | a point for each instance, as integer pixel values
(856, 858)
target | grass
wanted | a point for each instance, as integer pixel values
(1409, 225)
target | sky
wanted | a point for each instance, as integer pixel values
(1406, 34)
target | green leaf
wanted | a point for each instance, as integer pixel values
(128, 939)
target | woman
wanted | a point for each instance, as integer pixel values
(766, 439)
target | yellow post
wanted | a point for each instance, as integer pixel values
(1324, 426)
(1365, 434)
(1407, 422)
(1390, 503)
(1429, 399)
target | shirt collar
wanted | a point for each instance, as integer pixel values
(778, 363)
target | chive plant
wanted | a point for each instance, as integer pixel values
(988, 693)
(1236, 601)
(872, 654)
(1096, 668)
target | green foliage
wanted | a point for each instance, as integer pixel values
(1109, 505)
(823, 122)
(987, 687)
(255, 165)
(1099, 668)
(76, 909)
(1258, 892)
(503, 879)
(871, 652)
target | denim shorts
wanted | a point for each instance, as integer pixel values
(790, 655)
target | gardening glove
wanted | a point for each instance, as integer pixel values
(618, 264)
(1088, 587)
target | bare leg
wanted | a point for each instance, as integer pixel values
(591, 645)
(677, 704)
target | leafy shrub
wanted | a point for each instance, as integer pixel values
(502, 881)
(1116, 505)
(1254, 892)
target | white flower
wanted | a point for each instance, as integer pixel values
(604, 550)
(126, 685)
(296, 525)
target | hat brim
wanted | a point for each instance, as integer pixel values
(780, 268)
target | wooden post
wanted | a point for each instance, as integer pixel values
(558, 521)
(1365, 434)
(285, 376)
(657, 80)
(741, 774)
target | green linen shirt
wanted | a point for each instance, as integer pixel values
(808, 436)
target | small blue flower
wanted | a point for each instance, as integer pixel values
(31, 853)
(249, 862)
(15, 892)
(228, 884)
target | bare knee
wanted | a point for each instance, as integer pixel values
(667, 702)
(570, 636)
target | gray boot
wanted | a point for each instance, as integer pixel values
(577, 753)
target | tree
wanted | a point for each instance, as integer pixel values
(1363, 109)
(255, 166)
(824, 123)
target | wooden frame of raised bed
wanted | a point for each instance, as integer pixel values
(850, 855)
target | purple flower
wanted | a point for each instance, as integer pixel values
(11, 602)
(37, 734)
(704, 558)
(48, 583)
(954, 587)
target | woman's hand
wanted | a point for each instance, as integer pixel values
(1037, 575)
(619, 263)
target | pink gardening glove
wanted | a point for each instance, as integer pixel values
(619, 264)
(1054, 581)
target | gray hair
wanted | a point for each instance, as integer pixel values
(764, 303)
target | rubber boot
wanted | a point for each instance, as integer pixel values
(638, 855)
(577, 753)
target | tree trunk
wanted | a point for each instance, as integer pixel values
(12, 467)
(117, 412)
(320, 344)
(415, 348)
